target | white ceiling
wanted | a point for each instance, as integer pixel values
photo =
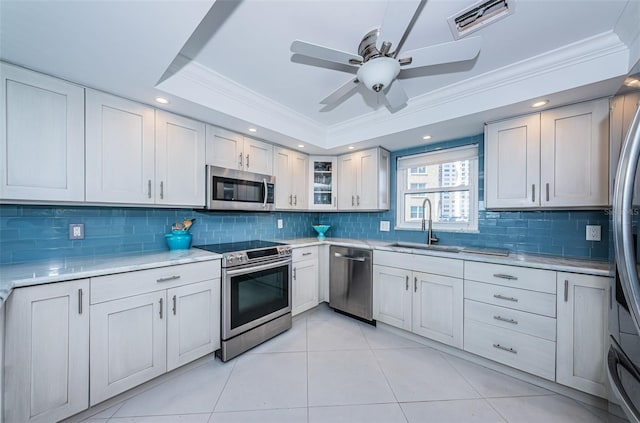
(232, 65)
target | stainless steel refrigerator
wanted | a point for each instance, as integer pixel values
(623, 361)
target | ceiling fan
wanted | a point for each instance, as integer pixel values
(377, 56)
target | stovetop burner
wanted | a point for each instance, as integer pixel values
(233, 247)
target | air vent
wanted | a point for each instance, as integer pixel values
(479, 15)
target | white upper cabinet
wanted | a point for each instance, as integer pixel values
(290, 170)
(180, 160)
(512, 170)
(41, 137)
(323, 183)
(556, 159)
(138, 155)
(364, 180)
(120, 150)
(234, 151)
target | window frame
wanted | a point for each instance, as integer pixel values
(469, 152)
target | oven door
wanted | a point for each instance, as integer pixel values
(253, 295)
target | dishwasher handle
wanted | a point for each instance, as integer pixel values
(348, 257)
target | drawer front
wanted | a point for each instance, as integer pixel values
(513, 276)
(516, 320)
(525, 352)
(121, 285)
(305, 253)
(517, 299)
(420, 263)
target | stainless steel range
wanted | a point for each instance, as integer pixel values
(256, 293)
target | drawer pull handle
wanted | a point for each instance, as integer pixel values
(505, 276)
(500, 347)
(504, 319)
(502, 297)
(306, 254)
(168, 278)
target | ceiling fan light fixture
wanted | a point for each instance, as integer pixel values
(378, 73)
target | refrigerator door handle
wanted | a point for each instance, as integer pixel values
(616, 359)
(623, 219)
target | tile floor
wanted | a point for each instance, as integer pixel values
(330, 368)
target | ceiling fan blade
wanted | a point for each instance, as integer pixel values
(453, 51)
(398, 20)
(325, 53)
(396, 96)
(343, 91)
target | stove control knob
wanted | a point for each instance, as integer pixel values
(231, 259)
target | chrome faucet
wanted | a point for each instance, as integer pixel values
(430, 238)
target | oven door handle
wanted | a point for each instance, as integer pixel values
(256, 268)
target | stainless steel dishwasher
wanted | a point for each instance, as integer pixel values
(351, 281)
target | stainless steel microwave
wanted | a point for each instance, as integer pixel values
(231, 189)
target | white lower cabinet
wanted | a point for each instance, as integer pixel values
(582, 332)
(305, 279)
(46, 360)
(147, 322)
(407, 297)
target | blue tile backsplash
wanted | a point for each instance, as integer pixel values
(40, 232)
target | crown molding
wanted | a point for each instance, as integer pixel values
(594, 59)
(591, 60)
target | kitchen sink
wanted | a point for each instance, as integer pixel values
(432, 247)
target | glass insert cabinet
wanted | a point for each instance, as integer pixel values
(323, 174)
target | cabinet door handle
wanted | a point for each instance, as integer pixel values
(295, 200)
(160, 307)
(149, 188)
(80, 301)
(533, 193)
(174, 305)
(291, 200)
(168, 278)
(247, 162)
(566, 290)
(502, 297)
(294, 273)
(357, 200)
(500, 347)
(306, 254)
(415, 284)
(161, 190)
(504, 319)
(505, 276)
(240, 163)
(353, 201)
(547, 189)
(406, 283)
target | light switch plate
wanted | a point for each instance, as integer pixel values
(385, 226)
(280, 224)
(76, 231)
(594, 233)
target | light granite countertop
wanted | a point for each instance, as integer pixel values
(57, 270)
(538, 261)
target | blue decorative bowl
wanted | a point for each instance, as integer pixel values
(321, 229)
(178, 240)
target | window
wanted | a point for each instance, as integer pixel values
(448, 178)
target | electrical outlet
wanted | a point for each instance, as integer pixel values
(594, 233)
(384, 226)
(280, 224)
(76, 231)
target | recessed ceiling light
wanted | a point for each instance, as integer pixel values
(253, 130)
(426, 137)
(540, 103)
(300, 145)
(351, 147)
(162, 100)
